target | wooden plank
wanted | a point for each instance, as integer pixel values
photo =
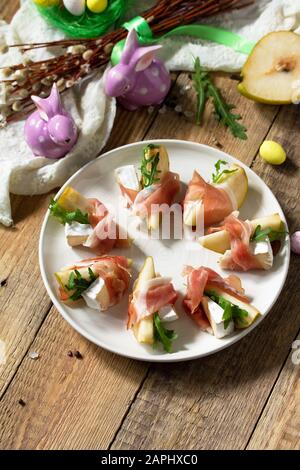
(279, 425)
(70, 403)
(284, 180)
(23, 299)
(8, 9)
(215, 402)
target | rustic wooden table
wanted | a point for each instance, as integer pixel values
(247, 397)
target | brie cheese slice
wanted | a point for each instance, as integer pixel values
(97, 295)
(127, 177)
(215, 314)
(76, 233)
(262, 250)
(168, 314)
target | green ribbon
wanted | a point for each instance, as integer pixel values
(200, 31)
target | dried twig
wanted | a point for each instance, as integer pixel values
(80, 58)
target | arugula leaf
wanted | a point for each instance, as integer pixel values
(218, 175)
(78, 284)
(200, 80)
(231, 312)
(65, 216)
(224, 115)
(162, 335)
(92, 275)
(205, 89)
(261, 234)
(149, 167)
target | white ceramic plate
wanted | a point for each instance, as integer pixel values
(108, 329)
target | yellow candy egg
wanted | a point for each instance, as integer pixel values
(47, 3)
(97, 6)
(272, 152)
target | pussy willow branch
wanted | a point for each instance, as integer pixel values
(81, 57)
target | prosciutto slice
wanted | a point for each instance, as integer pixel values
(240, 257)
(128, 194)
(104, 236)
(114, 270)
(200, 279)
(154, 295)
(157, 194)
(216, 202)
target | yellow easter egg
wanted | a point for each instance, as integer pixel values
(97, 6)
(47, 3)
(272, 152)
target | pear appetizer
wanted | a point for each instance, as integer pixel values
(246, 245)
(100, 282)
(217, 305)
(150, 305)
(154, 186)
(87, 222)
(214, 201)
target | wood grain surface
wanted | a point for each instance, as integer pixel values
(244, 397)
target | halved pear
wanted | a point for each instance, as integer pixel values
(220, 241)
(235, 184)
(71, 200)
(272, 70)
(144, 329)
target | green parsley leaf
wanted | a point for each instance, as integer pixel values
(162, 335)
(149, 166)
(219, 174)
(65, 216)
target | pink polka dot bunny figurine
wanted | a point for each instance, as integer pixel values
(50, 131)
(139, 79)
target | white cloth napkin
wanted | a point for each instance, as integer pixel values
(22, 173)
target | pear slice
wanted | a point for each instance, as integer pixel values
(71, 200)
(272, 70)
(220, 241)
(162, 168)
(144, 329)
(163, 165)
(235, 184)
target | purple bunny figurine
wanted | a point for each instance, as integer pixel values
(50, 131)
(139, 79)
